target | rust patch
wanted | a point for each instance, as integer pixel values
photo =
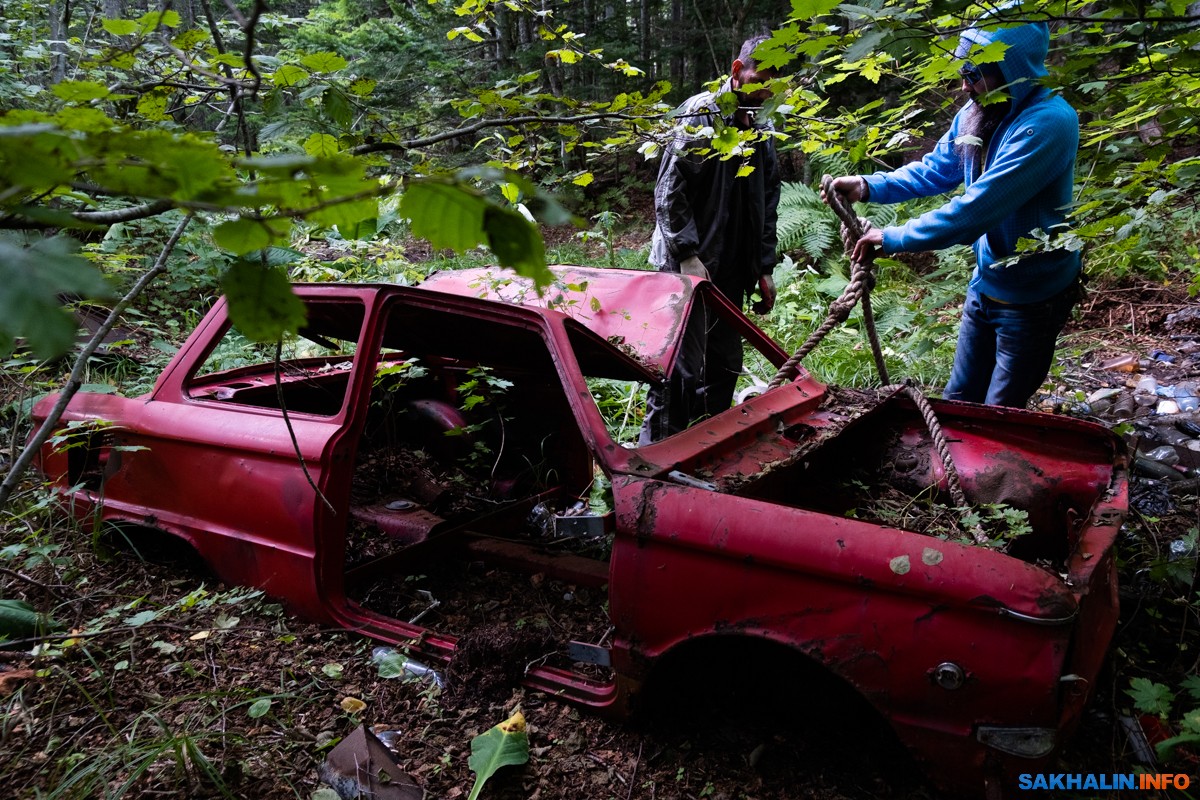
(647, 513)
(1007, 481)
(1056, 603)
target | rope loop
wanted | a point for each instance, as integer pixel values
(862, 283)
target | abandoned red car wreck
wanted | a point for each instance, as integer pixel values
(457, 422)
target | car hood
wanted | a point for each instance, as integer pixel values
(640, 312)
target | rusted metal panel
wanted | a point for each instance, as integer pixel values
(737, 526)
(639, 312)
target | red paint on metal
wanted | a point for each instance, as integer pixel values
(639, 310)
(769, 554)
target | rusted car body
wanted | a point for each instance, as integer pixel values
(741, 527)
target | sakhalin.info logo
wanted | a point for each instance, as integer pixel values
(1082, 781)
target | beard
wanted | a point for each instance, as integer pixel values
(980, 122)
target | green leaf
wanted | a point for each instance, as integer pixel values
(807, 9)
(324, 62)
(321, 145)
(333, 670)
(289, 75)
(361, 87)
(235, 60)
(153, 104)
(153, 19)
(584, 180)
(261, 302)
(517, 243)
(241, 236)
(189, 39)
(141, 618)
(864, 46)
(471, 35)
(283, 165)
(18, 619)
(280, 256)
(726, 139)
(445, 213)
(337, 107)
(507, 744)
(33, 278)
(349, 217)
(391, 665)
(120, 27)
(1191, 684)
(80, 91)
(259, 708)
(1150, 697)
(363, 229)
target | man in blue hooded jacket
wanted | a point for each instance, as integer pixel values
(1013, 146)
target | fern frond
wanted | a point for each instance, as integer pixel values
(805, 222)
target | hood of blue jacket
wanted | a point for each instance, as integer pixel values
(1024, 63)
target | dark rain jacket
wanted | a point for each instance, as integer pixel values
(703, 209)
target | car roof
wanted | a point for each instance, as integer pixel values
(640, 312)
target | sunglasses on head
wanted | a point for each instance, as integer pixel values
(970, 72)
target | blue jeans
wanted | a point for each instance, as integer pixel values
(1005, 349)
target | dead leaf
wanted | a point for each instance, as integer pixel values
(352, 705)
(9, 680)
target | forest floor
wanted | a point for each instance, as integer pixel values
(223, 694)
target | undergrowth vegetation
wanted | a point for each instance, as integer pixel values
(92, 728)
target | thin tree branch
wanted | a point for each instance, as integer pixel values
(287, 421)
(378, 147)
(15, 222)
(42, 435)
(12, 573)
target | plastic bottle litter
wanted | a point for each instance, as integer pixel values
(394, 664)
(1123, 408)
(1186, 397)
(1144, 392)
(1166, 407)
(1159, 355)
(1166, 454)
(1153, 469)
(1121, 363)
(1182, 548)
(1107, 393)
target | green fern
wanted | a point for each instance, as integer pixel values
(805, 223)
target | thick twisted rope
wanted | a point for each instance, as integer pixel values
(862, 281)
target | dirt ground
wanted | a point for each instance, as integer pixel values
(171, 703)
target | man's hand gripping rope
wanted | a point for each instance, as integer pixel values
(860, 239)
(862, 281)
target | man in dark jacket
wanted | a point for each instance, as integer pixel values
(1013, 147)
(717, 224)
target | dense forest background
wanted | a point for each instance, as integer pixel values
(154, 155)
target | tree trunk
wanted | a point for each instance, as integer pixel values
(187, 13)
(644, 17)
(677, 39)
(60, 22)
(503, 52)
